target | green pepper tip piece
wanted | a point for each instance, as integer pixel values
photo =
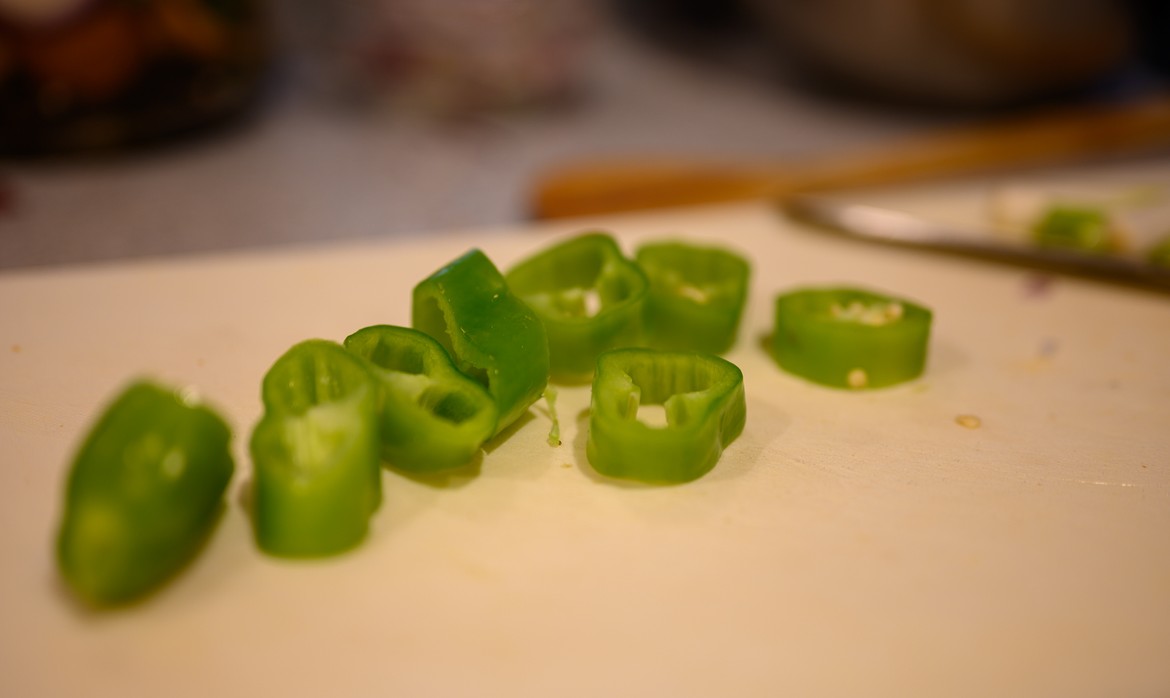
(589, 297)
(317, 476)
(703, 399)
(142, 495)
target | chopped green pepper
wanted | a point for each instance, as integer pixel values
(1084, 229)
(317, 473)
(589, 297)
(703, 399)
(490, 333)
(143, 494)
(696, 298)
(1159, 254)
(850, 338)
(432, 416)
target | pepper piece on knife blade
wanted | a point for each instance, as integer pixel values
(697, 295)
(315, 452)
(703, 399)
(432, 417)
(589, 297)
(492, 335)
(143, 494)
(1075, 228)
(850, 338)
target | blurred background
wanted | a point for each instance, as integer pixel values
(132, 128)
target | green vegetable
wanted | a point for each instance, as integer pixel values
(317, 473)
(1084, 229)
(143, 494)
(703, 399)
(697, 295)
(490, 333)
(850, 338)
(589, 297)
(1159, 254)
(432, 416)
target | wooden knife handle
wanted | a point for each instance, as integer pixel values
(1047, 138)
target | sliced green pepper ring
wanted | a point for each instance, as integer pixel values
(1083, 229)
(317, 473)
(697, 296)
(589, 297)
(490, 333)
(703, 399)
(143, 494)
(432, 416)
(850, 338)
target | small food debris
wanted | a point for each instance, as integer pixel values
(1049, 346)
(1037, 285)
(857, 378)
(968, 421)
(566, 465)
(15, 348)
(554, 432)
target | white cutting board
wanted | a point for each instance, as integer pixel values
(848, 544)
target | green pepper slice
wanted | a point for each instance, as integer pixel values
(317, 474)
(432, 416)
(589, 297)
(850, 338)
(1159, 254)
(697, 295)
(1083, 229)
(703, 399)
(143, 494)
(491, 334)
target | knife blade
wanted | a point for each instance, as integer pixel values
(891, 227)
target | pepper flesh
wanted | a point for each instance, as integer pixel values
(589, 297)
(143, 494)
(697, 295)
(1083, 229)
(492, 336)
(703, 399)
(432, 417)
(317, 473)
(850, 338)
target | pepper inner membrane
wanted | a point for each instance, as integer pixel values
(430, 318)
(663, 393)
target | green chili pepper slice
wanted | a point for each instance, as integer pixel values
(143, 494)
(1159, 254)
(1084, 229)
(491, 334)
(432, 416)
(697, 295)
(703, 399)
(317, 474)
(589, 297)
(850, 338)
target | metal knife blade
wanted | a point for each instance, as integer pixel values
(882, 225)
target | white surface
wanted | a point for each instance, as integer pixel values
(847, 544)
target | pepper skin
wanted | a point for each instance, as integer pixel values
(317, 473)
(589, 297)
(143, 494)
(703, 398)
(850, 338)
(432, 416)
(1081, 229)
(492, 336)
(697, 296)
